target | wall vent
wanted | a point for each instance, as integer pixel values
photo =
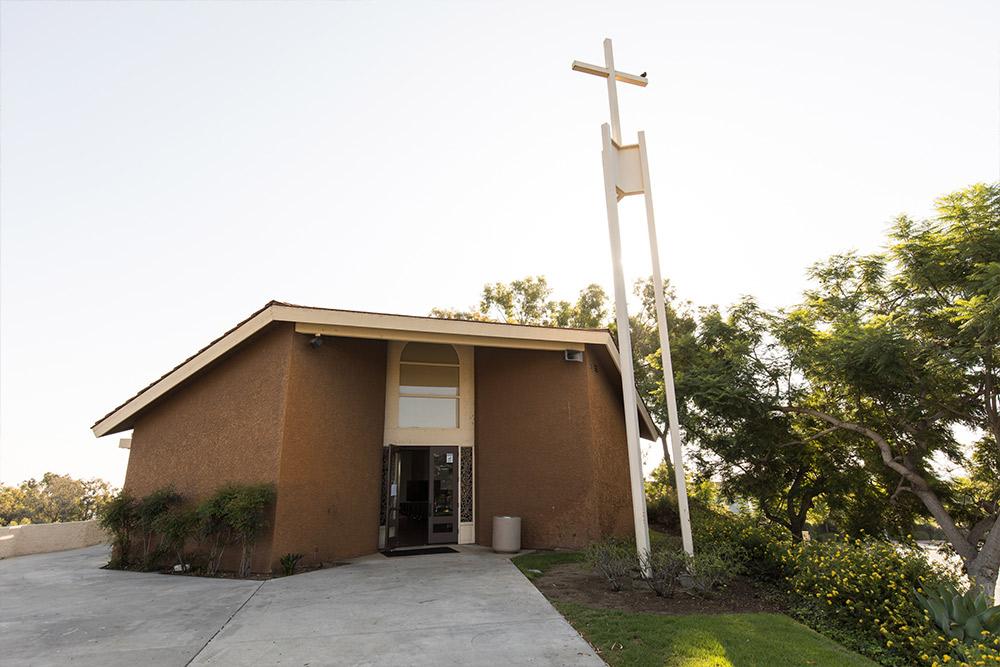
(573, 355)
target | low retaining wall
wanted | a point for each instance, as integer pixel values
(41, 538)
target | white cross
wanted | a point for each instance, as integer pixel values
(612, 75)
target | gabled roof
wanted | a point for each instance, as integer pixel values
(359, 324)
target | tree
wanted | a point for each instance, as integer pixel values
(52, 499)
(900, 348)
(526, 301)
(730, 378)
(682, 325)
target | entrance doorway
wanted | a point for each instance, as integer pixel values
(421, 500)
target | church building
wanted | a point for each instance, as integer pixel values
(386, 431)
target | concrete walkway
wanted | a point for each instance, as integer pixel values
(469, 608)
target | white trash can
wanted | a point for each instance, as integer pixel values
(507, 534)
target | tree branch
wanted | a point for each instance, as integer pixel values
(918, 485)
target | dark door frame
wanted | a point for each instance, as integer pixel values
(451, 518)
(391, 493)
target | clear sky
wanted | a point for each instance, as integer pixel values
(167, 168)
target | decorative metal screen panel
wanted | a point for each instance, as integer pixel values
(385, 476)
(465, 461)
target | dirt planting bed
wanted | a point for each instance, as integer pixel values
(575, 582)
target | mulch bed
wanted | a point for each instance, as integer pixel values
(575, 582)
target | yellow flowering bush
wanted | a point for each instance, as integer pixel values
(861, 592)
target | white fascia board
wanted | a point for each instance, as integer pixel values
(520, 336)
(430, 325)
(395, 326)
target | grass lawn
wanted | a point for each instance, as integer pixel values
(709, 640)
(534, 565)
(693, 640)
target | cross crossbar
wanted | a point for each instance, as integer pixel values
(597, 70)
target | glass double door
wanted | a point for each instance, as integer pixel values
(421, 496)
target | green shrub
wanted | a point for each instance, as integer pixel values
(712, 566)
(245, 510)
(664, 569)
(288, 563)
(860, 592)
(614, 559)
(118, 517)
(757, 546)
(212, 531)
(147, 513)
(661, 499)
(176, 527)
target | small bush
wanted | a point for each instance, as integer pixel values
(288, 563)
(665, 567)
(759, 544)
(213, 531)
(176, 527)
(711, 567)
(245, 509)
(118, 517)
(615, 560)
(755, 547)
(147, 513)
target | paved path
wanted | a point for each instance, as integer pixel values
(469, 608)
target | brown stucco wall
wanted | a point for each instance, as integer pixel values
(547, 448)
(331, 457)
(223, 425)
(550, 443)
(610, 447)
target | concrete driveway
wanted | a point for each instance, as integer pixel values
(470, 608)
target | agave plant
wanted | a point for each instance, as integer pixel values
(962, 616)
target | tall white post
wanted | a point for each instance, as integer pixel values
(668, 368)
(610, 160)
(609, 63)
(626, 172)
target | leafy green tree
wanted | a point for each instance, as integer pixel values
(52, 499)
(900, 348)
(731, 378)
(647, 362)
(527, 301)
(853, 397)
(13, 505)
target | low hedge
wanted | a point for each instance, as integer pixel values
(861, 593)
